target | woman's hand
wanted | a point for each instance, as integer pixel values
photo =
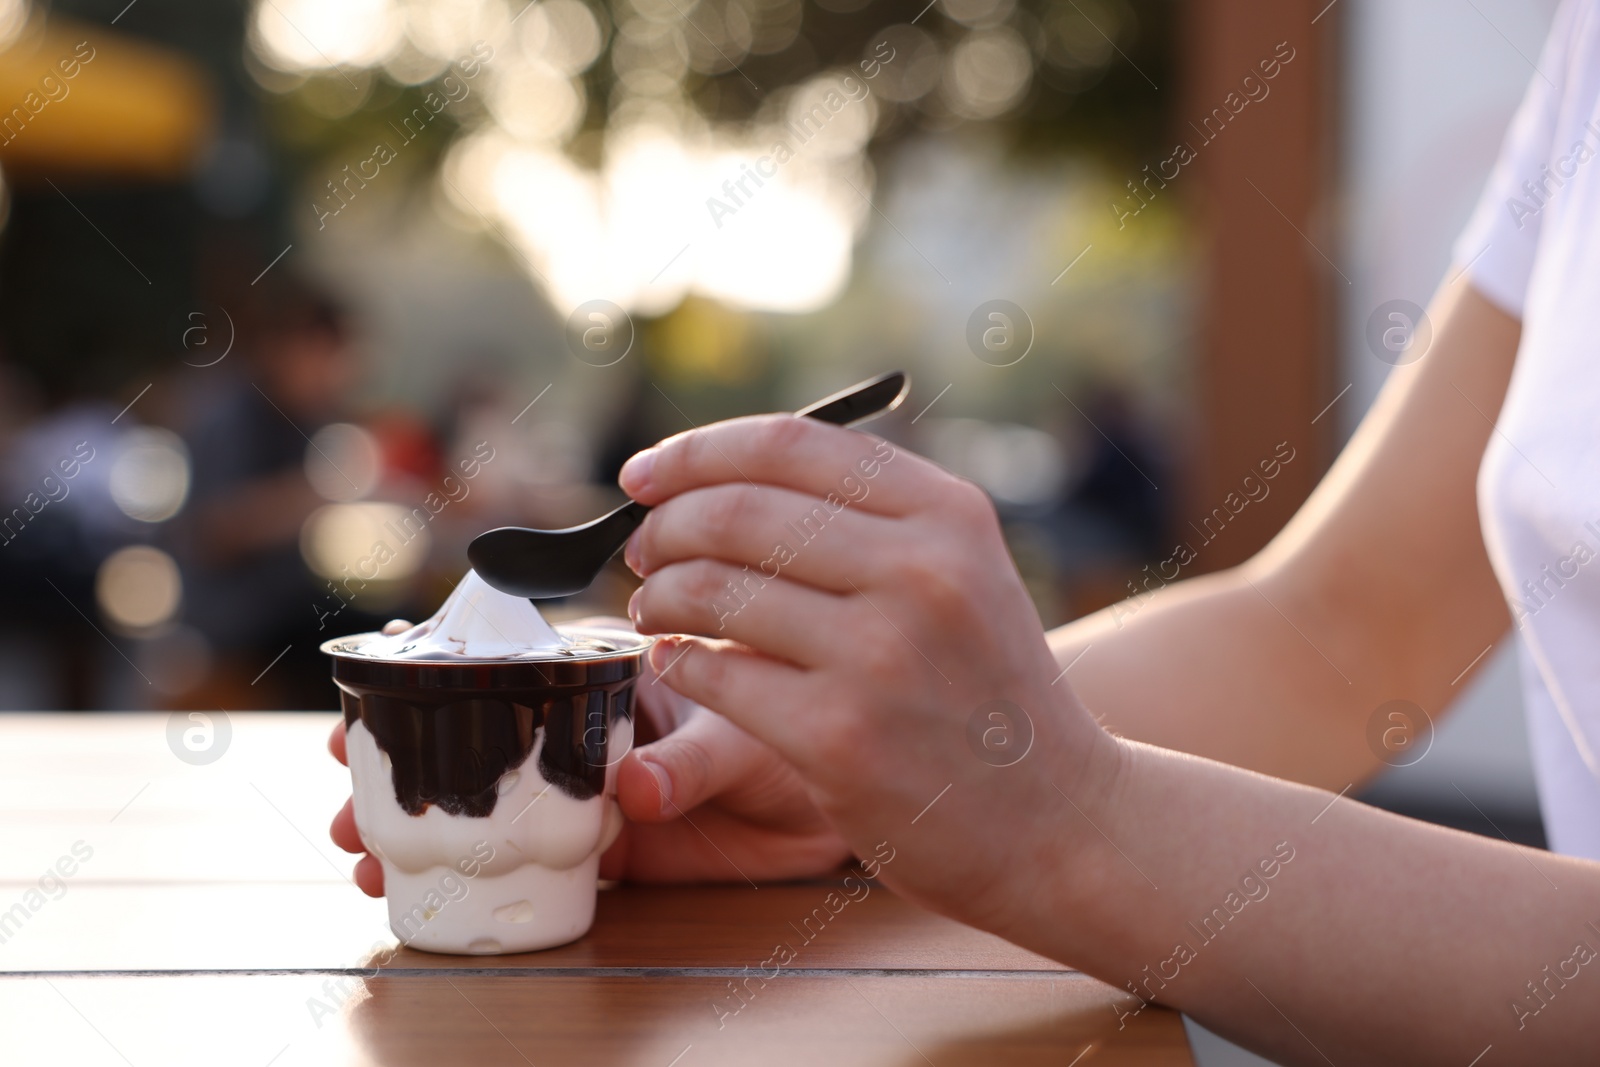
(706, 802)
(855, 608)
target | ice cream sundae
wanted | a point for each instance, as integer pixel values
(482, 746)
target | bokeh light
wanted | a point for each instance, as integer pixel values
(565, 34)
(776, 24)
(727, 36)
(649, 57)
(988, 72)
(14, 15)
(447, 29)
(978, 12)
(343, 462)
(371, 541)
(537, 102)
(410, 65)
(837, 105)
(917, 66)
(150, 474)
(295, 35)
(138, 588)
(622, 208)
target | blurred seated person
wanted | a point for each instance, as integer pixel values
(247, 586)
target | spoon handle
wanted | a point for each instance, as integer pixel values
(620, 524)
(855, 404)
(546, 564)
(861, 401)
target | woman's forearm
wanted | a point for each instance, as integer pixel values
(1317, 929)
(1214, 667)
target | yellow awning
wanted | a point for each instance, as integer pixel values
(78, 97)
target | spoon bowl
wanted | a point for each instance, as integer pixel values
(541, 564)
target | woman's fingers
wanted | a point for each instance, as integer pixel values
(343, 830)
(368, 876)
(691, 765)
(805, 455)
(336, 742)
(768, 530)
(779, 617)
(732, 680)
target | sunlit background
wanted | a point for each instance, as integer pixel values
(278, 270)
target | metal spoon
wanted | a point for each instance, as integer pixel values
(539, 564)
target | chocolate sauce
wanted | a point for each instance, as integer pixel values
(452, 731)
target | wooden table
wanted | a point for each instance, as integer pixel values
(207, 919)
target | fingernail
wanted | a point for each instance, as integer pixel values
(663, 781)
(630, 555)
(633, 605)
(635, 476)
(660, 653)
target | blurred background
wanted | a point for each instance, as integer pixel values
(296, 296)
(306, 293)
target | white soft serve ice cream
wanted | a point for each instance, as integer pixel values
(483, 746)
(477, 621)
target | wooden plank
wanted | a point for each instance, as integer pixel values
(225, 869)
(259, 813)
(228, 866)
(515, 1020)
(176, 927)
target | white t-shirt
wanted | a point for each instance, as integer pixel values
(1533, 247)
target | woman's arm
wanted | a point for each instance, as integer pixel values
(1378, 589)
(1314, 929)
(858, 612)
